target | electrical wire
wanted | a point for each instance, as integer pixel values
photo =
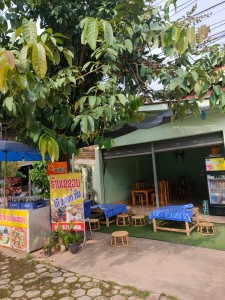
(183, 7)
(209, 8)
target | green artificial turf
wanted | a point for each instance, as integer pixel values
(216, 241)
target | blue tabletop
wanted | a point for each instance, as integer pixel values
(111, 210)
(173, 213)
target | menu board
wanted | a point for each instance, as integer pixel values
(67, 201)
(215, 164)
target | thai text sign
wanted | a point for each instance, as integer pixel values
(57, 168)
(14, 228)
(15, 218)
(67, 201)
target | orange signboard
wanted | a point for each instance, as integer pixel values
(57, 168)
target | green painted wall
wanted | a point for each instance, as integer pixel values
(114, 184)
(120, 173)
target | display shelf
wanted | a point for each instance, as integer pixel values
(13, 186)
(216, 179)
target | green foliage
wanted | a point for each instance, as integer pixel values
(39, 177)
(67, 237)
(11, 169)
(49, 145)
(93, 65)
(50, 241)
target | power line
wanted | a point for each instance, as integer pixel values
(184, 7)
(209, 8)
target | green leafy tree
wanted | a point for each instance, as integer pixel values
(63, 90)
(39, 178)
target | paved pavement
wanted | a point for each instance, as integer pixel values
(23, 277)
(188, 273)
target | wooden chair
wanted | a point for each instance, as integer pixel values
(139, 197)
(163, 187)
(176, 187)
(168, 191)
(143, 184)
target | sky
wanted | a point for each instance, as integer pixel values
(216, 19)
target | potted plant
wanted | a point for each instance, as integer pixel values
(72, 242)
(62, 238)
(49, 243)
(71, 239)
(68, 239)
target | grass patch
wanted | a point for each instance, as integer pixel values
(142, 294)
(215, 241)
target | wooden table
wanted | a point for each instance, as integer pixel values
(188, 228)
(109, 211)
(146, 192)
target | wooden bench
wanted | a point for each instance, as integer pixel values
(119, 239)
(123, 220)
(95, 224)
(206, 228)
(138, 220)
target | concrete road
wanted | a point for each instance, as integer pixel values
(186, 272)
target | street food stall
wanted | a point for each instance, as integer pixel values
(24, 220)
(24, 229)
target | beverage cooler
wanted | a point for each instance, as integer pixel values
(215, 168)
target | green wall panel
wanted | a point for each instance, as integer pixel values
(118, 177)
(121, 173)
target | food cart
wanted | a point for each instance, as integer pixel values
(24, 221)
(24, 229)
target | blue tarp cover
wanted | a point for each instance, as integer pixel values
(173, 213)
(111, 210)
(87, 209)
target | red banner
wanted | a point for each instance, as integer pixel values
(79, 226)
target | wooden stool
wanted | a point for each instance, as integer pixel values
(138, 220)
(123, 220)
(206, 228)
(119, 239)
(129, 211)
(95, 223)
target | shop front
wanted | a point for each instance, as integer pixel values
(169, 151)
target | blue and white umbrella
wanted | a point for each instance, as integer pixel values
(16, 151)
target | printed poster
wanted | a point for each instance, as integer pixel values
(67, 201)
(13, 228)
(215, 164)
(5, 235)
